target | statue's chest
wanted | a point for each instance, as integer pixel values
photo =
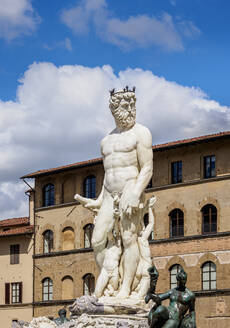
(118, 143)
(181, 297)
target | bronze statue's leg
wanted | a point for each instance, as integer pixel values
(157, 317)
(171, 324)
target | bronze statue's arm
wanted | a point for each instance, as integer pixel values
(192, 311)
(157, 298)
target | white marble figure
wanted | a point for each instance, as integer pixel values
(142, 280)
(128, 165)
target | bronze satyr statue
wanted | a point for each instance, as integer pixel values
(62, 317)
(182, 300)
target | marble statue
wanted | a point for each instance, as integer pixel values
(119, 239)
(181, 300)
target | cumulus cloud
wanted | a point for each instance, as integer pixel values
(136, 31)
(61, 114)
(17, 17)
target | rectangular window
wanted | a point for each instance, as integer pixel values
(13, 292)
(14, 254)
(176, 171)
(209, 166)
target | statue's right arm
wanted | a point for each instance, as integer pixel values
(164, 296)
(89, 202)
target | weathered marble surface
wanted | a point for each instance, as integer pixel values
(108, 305)
(120, 239)
(91, 321)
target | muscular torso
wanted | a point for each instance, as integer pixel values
(179, 303)
(119, 152)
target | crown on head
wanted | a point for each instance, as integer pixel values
(126, 89)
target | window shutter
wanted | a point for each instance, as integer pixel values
(20, 292)
(17, 252)
(11, 254)
(7, 293)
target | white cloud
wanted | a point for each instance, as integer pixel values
(136, 31)
(66, 43)
(17, 17)
(61, 114)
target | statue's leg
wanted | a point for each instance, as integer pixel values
(130, 256)
(171, 323)
(104, 224)
(101, 282)
(158, 316)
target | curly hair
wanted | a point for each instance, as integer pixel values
(116, 98)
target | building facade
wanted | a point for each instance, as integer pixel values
(16, 275)
(191, 181)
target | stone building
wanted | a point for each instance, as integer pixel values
(191, 180)
(16, 274)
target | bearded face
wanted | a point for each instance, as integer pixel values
(124, 111)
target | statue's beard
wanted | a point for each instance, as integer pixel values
(124, 119)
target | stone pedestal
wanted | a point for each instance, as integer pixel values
(110, 321)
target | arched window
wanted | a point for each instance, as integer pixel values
(88, 284)
(88, 232)
(176, 223)
(47, 241)
(208, 276)
(47, 289)
(48, 195)
(146, 222)
(90, 186)
(173, 272)
(209, 219)
(68, 238)
(67, 288)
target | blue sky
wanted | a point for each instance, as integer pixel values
(58, 59)
(204, 61)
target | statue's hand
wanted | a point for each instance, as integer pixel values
(129, 202)
(89, 203)
(147, 298)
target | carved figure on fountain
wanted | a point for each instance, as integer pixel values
(119, 240)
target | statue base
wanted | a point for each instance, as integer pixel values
(108, 306)
(111, 321)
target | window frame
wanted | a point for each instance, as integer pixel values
(49, 288)
(209, 272)
(212, 218)
(49, 241)
(13, 292)
(89, 186)
(91, 287)
(88, 227)
(179, 227)
(14, 253)
(48, 195)
(176, 172)
(209, 171)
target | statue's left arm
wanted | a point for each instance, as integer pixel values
(145, 162)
